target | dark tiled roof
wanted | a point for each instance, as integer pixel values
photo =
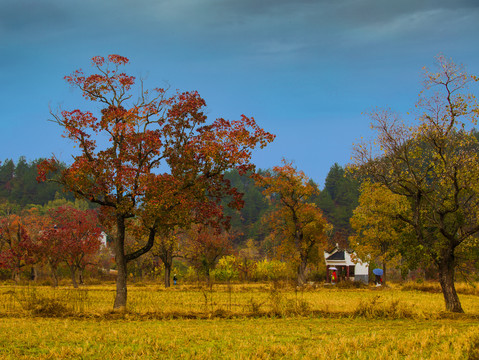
(339, 255)
(330, 251)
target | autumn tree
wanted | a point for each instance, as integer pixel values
(378, 234)
(166, 249)
(15, 245)
(246, 259)
(138, 147)
(433, 166)
(36, 221)
(295, 220)
(203, 246)
(77, 234)
(49, 249)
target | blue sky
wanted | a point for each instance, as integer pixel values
(305, 70)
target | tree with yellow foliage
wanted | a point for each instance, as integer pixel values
(377, 231)
(432, 165)
(296, 221)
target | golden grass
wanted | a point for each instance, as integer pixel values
(228, 301)
(255, 321)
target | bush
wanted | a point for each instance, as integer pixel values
(42, 305)
(375, 308)
(318, 275)
(191, 274)
(225, 270)
(271, 270)
(5, 274)
(348, 284)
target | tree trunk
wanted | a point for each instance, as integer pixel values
(73, 275)
(384, 273)
(16, 274)
(446, 279)
(54, 276)
(167, 275)
(120, 259)
(302, 272)
(81, 276)
(245, 269)
(207, 272)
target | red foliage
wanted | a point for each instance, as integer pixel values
(163, 161)
(16, 247)
(203, 246)
(74, 237)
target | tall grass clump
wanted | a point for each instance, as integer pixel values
(36, 301)
(377, 308)
(473, 349)
(43, 305)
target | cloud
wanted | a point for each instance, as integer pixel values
(23, 15)
(231, 26)
(411, 25)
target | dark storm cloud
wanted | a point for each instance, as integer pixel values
(17, 17)
(216, 15)
(287, 26)
(256, 26)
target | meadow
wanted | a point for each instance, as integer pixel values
(238, 321)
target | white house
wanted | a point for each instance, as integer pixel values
(340, 261)
(103, 239)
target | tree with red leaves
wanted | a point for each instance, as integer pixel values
(295, 220)
(161, 157)
(74, 239)
(15, 245)
(166, 249)
(203, 246)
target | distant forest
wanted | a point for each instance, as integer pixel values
(19, 186)
(337, 200)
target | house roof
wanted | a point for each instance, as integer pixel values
(338, 255)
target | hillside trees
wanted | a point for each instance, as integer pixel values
(155, 142)
(338, 199)
(246, 221)
(18, 183)
(434, 167)
(295, 220)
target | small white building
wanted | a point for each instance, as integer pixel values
(103, 239)
(341, 262)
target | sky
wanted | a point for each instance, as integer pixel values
(306, 70)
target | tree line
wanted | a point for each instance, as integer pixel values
(19, 185)
(249, 238)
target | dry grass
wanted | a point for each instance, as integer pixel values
(288, 338)
(153, 301)
(258, 321)
(434, 287)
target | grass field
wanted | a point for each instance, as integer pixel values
(236, 322)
